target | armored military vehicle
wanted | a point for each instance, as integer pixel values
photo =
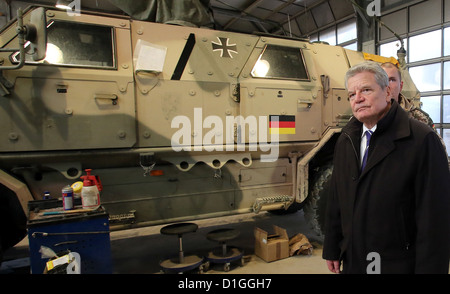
(178, 123)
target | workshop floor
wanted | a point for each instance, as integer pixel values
(149, 246)
(139, 251)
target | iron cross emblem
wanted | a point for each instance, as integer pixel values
(224, 47)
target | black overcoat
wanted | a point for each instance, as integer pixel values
(398, 207)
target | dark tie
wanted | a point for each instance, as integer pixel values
(368, 134)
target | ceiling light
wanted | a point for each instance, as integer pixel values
(63, 4)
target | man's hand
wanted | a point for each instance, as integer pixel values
(334, 266)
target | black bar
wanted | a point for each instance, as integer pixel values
(283, 117)
(184, 57)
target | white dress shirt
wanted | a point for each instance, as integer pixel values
(364, 141)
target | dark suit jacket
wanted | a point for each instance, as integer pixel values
(398, 206)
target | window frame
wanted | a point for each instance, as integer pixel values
(14, 60)
(411, 31)
(302, 56)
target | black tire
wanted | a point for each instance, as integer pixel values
(316, 203)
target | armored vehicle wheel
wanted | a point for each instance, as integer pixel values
(315, 206)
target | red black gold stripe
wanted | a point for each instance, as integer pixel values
(282, 124)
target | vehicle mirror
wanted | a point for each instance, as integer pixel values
(36, 33)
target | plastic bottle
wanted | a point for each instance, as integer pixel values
(77, 186)
(90, 195)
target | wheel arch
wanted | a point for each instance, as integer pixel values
(321, 154)
(14, 197)
(19, 188)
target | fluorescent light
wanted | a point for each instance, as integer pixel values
(63, 4)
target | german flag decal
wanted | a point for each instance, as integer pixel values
(282, 124)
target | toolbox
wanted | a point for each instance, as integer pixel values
(83, 232)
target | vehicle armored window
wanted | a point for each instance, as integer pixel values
(77, 44)
(280, 62)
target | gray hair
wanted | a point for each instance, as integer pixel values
(381, 76)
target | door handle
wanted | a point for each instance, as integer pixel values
(112, 97)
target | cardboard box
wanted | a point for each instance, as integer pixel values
(271, 247)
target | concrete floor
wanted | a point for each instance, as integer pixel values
(139, 251)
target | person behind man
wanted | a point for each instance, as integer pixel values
(391, 215)
(396, 85)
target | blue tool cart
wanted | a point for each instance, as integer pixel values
(83, 232)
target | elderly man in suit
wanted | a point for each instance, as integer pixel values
(390, 188)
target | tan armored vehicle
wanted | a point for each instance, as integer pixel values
(178, 123)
